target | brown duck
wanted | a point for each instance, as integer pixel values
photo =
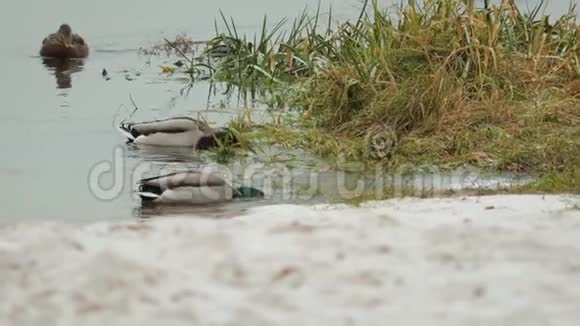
(64, 44)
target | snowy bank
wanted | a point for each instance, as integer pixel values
(495, 260)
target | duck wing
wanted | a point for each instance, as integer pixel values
(77, 40)
(187, 187)
(50, 38)
(172, 125)
(184, 179)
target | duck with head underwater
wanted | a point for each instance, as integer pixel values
(178, 131)
(192, 188)
(64, 44)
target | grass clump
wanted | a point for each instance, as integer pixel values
(443, 82)
(456, 85)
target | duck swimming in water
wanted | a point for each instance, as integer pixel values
(192, 188)
(64, 44)
(178, 131)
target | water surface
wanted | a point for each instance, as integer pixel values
(58, 122)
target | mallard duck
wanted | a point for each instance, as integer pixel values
(193, 188)
(64, 44)
(178, 131)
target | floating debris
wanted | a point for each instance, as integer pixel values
(105, 74)
(167, 70)
(181, 43)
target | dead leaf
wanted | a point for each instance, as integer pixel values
(167, 70)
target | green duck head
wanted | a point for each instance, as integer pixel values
(248, 193)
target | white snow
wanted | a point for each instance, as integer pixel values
(494, 260)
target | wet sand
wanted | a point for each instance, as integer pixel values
(495, 260)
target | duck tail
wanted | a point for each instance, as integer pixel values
(126, 129)
(149, 193)
(147, 196)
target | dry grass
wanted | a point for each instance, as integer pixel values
(447, 84)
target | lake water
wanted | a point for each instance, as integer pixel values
(55, 131)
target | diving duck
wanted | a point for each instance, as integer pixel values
(64, 44)
(192, 188)
(178, 131)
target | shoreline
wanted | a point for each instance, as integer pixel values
(490, 259)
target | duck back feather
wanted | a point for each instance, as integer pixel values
(186, 188)
(179, 131)
(171, 125)
(184, 179)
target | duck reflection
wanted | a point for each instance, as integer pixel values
(215, 211)
(63, 69)
(162, 154)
